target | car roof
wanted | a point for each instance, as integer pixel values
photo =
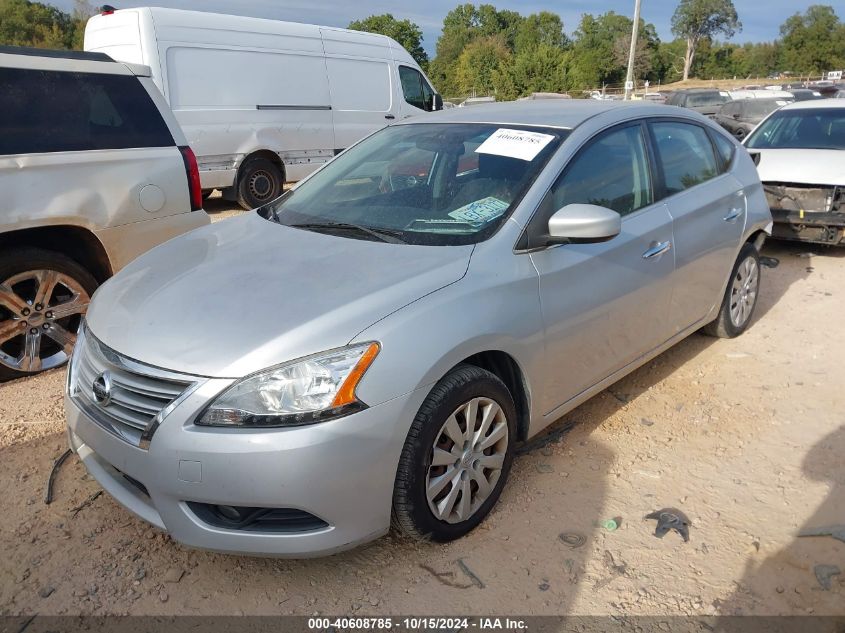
(563, 113)
(815, 104)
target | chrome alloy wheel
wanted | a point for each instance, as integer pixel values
(744, 291)
(466, 460)
(40, 311)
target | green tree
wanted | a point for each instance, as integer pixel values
(481, 65)
(25, 23)
(408, 34)
(544, 28)
(698, 20)
(543, 68)
(813, 42)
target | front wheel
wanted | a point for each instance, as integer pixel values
(456, 457)
(740, 296)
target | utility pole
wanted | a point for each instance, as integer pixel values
(629, 77)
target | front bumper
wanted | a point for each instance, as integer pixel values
(809, 226)
(341, 471)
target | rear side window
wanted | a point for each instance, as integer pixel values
(52, 111)
(415, 89)
(685, 154)
(724, 149)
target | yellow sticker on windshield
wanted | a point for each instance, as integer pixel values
(480, 211)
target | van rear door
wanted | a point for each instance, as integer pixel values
(361, 77)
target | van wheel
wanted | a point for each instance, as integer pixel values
(43, 297)
(456, 457)
(739, 134)
(740, 296)
(260, 181)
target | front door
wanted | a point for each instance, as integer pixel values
(606, 304)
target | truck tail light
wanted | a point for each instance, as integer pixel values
(193, 172)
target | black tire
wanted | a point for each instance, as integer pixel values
(259, 181)
(724, 326)
(26, 259)
(412, 515)
(739, 134)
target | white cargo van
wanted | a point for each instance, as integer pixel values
(262, 101)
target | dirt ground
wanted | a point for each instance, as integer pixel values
(745, 436)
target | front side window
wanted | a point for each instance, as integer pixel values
(812, 128)
(415, 88)
(422, 183)
(612, 172)
(685, 154)
(53, 111)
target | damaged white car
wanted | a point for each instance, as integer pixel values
(800, 155)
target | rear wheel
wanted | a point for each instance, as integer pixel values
(43, 297)
(456, 457)
(259, 182)
(740, 296)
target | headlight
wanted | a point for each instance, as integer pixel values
(309, 390)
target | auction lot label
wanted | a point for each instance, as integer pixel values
(515, 144)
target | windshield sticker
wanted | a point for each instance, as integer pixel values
(515, 144)
(480, 211)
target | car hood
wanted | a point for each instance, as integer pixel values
(802, 166)
(241, 295)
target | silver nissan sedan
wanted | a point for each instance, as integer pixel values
(369, 349)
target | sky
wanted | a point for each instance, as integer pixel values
(758, 24)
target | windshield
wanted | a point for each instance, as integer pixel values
(813, 128)
(424, 183)
(706, 99)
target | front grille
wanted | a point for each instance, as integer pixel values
(138, 395)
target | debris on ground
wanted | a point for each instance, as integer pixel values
(769, 262)
(85, 504)
(611, 524)
(173, 575)
(836, 531)
(445, 578)
(48, 495)
(545, 468)
(670, 519)
(475, 579)
(572, 539)
(825, 573)
(615, 569)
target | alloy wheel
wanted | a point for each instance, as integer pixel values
(40, 311)
(466, 460)
(744, 291)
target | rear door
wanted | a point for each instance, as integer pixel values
(708, 207)
(604, 305)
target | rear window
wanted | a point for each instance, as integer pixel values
(53, 111)
(705, 99)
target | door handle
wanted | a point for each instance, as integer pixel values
(389, 117)
(657, 250)
(733, 215)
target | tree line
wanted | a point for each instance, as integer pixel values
(484, 50)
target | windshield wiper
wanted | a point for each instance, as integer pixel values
(382, 235)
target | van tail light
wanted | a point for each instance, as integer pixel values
(193, 172)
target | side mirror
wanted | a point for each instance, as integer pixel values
(583, 223)
(436, 102)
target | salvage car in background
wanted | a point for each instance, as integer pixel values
(740, 117)
(702, 100)
(410, 331)
(264, 101)
(94, 171)
(800, 155)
